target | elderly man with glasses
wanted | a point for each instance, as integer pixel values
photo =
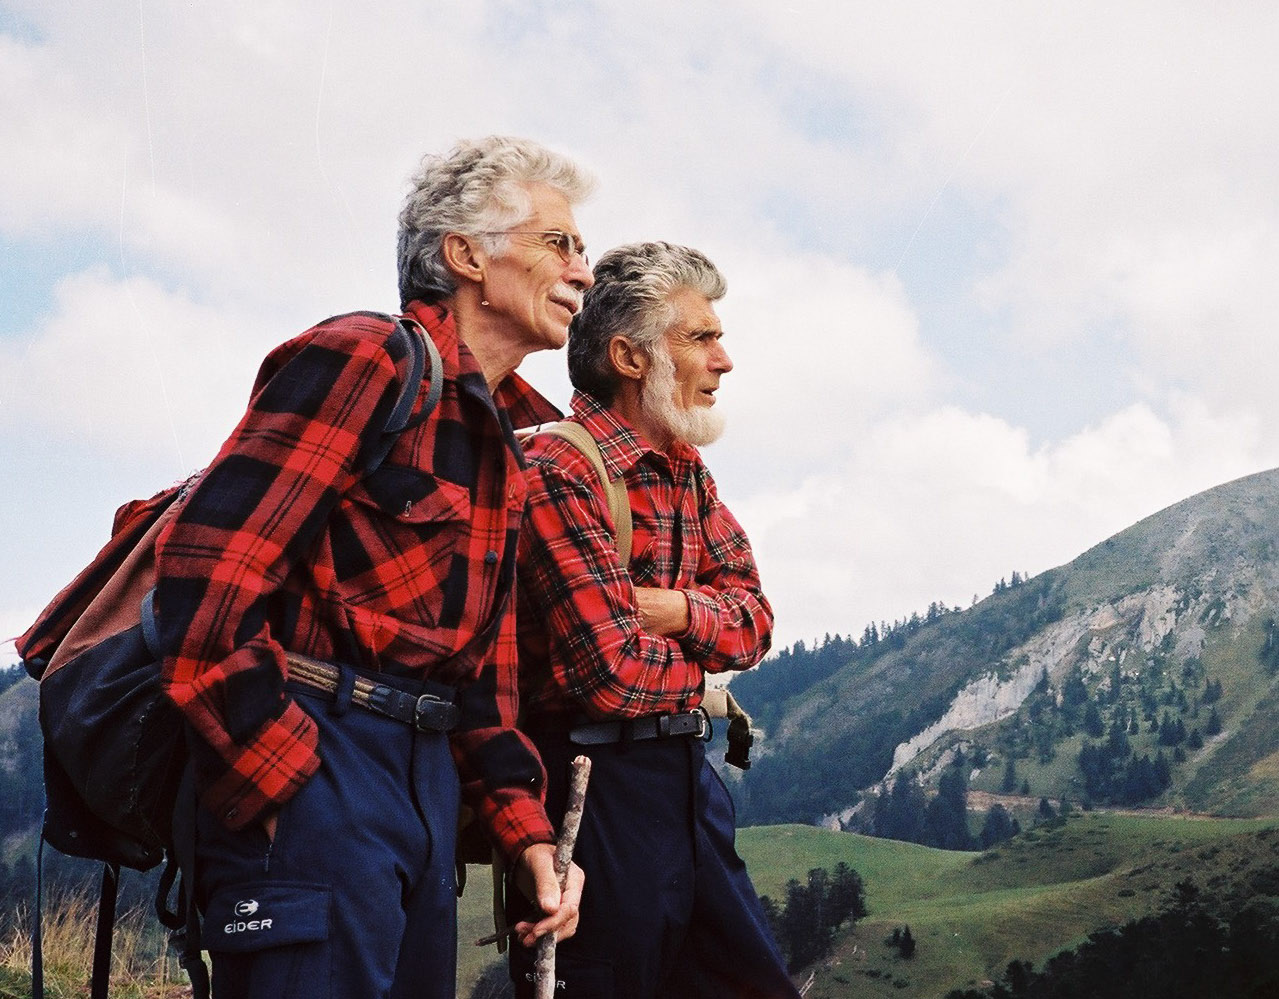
(334, 600)
(614, 652)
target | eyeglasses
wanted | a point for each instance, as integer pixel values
(563, 243)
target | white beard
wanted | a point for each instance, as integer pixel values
(698, 426)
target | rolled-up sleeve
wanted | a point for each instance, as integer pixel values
(730, 619)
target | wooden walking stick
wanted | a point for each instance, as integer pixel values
(544, 965)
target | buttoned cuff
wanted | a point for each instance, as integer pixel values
(266, 772)
(519, 825)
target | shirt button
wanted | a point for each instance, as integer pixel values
(490, 558)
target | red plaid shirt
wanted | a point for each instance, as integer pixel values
(284, 543)
(582, 650)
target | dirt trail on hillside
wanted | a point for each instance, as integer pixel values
(981, 801)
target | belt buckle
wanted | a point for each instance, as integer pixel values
(666, 723)
(422, 709)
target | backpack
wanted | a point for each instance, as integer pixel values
(114, 745)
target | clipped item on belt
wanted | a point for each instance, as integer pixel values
(425, 712)
(719, 703)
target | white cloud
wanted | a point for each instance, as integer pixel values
(1125, 146)
(129, 367)
(939, 505)
(257, 150)
(61, 159)
(820, 348)
(13, 622)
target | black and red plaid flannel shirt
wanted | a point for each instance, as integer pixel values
(582, 650)
(285, 544)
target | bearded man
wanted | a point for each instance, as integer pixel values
(613, 656)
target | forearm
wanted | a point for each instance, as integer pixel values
(602, 657)
(728, 629)
(230, 688)
(730, 619)
(725, 631)
(615, 668)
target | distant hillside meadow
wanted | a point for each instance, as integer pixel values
(1062, 789)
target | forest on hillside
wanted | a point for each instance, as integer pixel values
(21, 801)
(1120, 730)
(1200, 945)
(799, 783)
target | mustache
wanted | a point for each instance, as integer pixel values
(569, 295)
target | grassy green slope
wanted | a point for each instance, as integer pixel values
(1238, 773)
(474, 920)
(971, 914)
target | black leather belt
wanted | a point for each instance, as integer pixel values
(686, 723)
(425, 712)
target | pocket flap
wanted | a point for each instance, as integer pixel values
(266, 914)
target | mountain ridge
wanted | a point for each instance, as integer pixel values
(1140, 625)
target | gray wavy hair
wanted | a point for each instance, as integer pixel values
(479, 186)
(631, 298)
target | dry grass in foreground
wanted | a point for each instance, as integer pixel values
(140, 967)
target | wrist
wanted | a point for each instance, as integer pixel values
(685, 622)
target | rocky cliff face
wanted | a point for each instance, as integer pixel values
(986, 700)
(1095, 639)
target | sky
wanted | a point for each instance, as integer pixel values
(1002, 276)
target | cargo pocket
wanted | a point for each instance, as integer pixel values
(274, 934)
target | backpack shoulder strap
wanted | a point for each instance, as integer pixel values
(424, 362)
(619, 503)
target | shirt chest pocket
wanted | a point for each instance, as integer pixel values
(414, 500)
(401, 550)
(411, 494)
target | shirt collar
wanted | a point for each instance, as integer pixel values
(620, 443)
(524, 404)
(439, 325)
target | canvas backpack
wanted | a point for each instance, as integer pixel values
(114, 745)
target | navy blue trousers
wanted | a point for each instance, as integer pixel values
(668, 910)
(356, 897)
